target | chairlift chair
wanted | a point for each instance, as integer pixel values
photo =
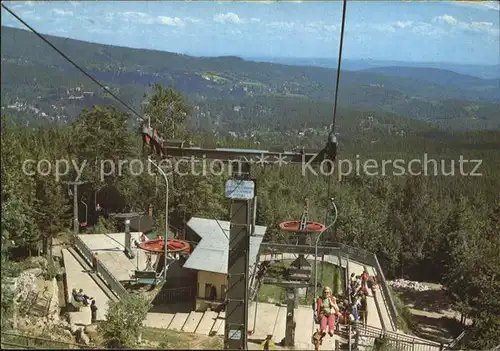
(84, 224)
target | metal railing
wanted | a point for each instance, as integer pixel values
(184, 293)
(370, 259)
(398, 340)
(12, 340)
(102, 271)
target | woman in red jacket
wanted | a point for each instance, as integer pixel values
(327, 309)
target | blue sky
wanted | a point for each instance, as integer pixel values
(460, 32)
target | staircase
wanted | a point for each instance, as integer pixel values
(208, 323)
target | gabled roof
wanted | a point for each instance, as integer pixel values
(211, 254)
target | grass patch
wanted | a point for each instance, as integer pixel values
(328, 274)
(171, 339)
(214, 77)
(259, 84)
(405, 320)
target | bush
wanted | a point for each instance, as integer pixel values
(123, 323)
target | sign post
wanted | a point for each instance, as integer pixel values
(241, 190)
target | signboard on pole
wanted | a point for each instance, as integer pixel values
(240, 189)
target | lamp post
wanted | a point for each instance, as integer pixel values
(316, 248)
(166, 214)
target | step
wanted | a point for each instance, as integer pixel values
(206, 323)
(178, 321)
(192, 322)
(218, 327)
(158, 320)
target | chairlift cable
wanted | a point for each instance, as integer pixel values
(42, 37)
(337, 84)
(339, 64)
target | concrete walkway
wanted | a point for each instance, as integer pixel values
(383, 305)
(271, 319)
(78, 278)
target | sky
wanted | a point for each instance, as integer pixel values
(413, 31)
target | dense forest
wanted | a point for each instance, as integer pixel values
(431, 228)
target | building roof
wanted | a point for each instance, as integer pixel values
(211, 254)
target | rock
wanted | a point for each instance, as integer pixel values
(67, 333)
(64, 324)
(74, 329)
(24, 285)
(35, 271)
(92, 328)
(403, 284)
(84, 339)
(40, 261)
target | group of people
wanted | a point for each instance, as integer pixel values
(358, 283)
(328, 313)
(80, 297)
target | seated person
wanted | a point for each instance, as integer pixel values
(75, 301)
(74, 294)
(81, 297)
(327, 310)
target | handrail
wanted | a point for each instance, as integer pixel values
(369, 258)
(455, 341)
(52, 344)
(387, 292)
(398, 338)
(102, 271)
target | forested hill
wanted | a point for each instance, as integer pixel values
(475, 70)
(442, 77)
(31, 70)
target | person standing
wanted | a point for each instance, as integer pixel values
(93, 312)
(94, 262)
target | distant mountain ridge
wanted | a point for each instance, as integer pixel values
(437, 76)
(35, 76)
(478, 71)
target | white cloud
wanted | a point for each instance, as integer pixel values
(452, 25)
(229, 17)
(255, 20)
(281, 25)
(172, 21)
(403, 24)
(445, 19)
(60, 12)
(192, 20)
(318, 27)
(330, 28)
(75, 3)
(383, 27)
(480, 28)
(427, 29)
(437, 26)
(137, 17)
